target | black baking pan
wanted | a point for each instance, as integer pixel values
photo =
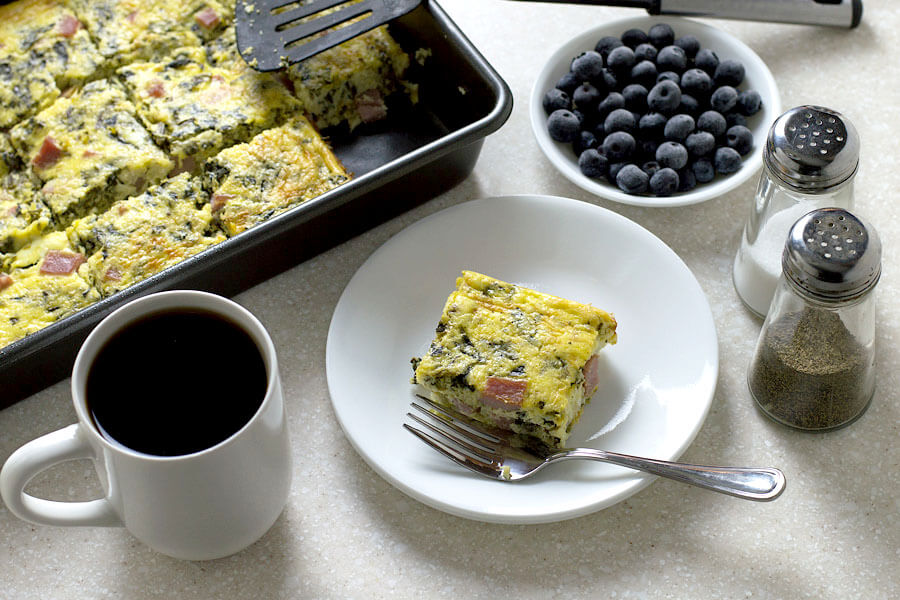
(418, 152)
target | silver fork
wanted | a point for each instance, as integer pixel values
(500, 455)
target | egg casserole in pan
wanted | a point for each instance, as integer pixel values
(134, 136)
(515, 358)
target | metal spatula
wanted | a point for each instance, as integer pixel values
(274, 33)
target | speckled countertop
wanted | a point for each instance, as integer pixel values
(346, 533)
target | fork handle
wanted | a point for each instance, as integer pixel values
(761, 484)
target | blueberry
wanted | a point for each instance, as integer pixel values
(652, 125)
(586, 96)
(729, 72)
(588, 65)
(712, 122)
(563, 125)
(690, 44)
(606, 44)
(568, 83)
(618, 146)
(700, 143)
(664, 182)
(735, 118)
(723, 99)
(645, 52)
(593, 164)
(671, 58)
(632, 180)
(707, 60)
(696, 82)
(650, 168)
(679, 127)
(586, 139)
(749, 102)
(635, 97)
(619, 120)
(703, 170)
(671, 154)
(740, 138)
(599, 131)
(614, 169)
(664, 97)
(621, 59)
(689, 105)
(644, 73)
(727, 160)
(556, 99)
(661, 35)
(612, 101)
(634, 38)
(669, 76)
(688, 180)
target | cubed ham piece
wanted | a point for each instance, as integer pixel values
(49, 153)
(207, 18)
(462, 407)
(5, 281)
(591, 375)
(370, 106)
(58, 262)
(112, 274)
(68, 26)
(130, 17)
(503, 393)
(156, 89)
(219, 201)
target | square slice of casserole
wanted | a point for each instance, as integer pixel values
(351, 82)
(278, 169)
(141, 236)
(42, 283)
(194, 109)
(515, 358)
(51, 40)
(132, 30)
(89, 149)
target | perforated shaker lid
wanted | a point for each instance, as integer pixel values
(812, 148)
(832, 255)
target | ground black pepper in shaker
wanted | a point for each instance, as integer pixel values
(813, 368)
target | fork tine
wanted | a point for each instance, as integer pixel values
(488, 444)
(472, 426)
(481, 452)
(457, 457)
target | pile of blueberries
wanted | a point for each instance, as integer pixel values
(651, 113)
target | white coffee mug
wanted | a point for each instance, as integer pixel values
(197, 506)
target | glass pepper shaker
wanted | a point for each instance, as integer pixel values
(814, 365)
(809, 161)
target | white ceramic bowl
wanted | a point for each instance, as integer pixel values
(757, 77)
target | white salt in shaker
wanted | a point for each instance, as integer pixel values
(809, 162)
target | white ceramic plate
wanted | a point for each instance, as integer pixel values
(659, 378)
(757, 77)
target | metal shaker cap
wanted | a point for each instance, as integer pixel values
(832, 255)
(811, 148)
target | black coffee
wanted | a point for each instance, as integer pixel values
(176, 382)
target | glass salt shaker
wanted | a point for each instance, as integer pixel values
(809, 161)
(814, 365)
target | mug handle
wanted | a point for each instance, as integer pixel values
(42, 453)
